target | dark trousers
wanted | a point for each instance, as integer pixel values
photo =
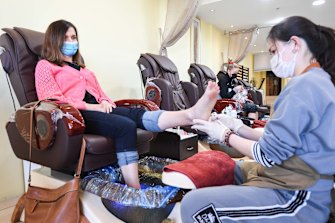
(250, 107)
(120, 124)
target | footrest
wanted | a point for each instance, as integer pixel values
(209, 168)
(177, 179)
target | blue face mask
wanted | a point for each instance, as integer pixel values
(69, 48)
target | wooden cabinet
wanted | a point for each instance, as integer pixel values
(169, 144)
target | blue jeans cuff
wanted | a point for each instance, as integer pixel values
(150, 120)
(125, 158)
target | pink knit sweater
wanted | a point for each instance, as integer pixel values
(66, 84)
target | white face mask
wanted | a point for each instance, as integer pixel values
(280, 68)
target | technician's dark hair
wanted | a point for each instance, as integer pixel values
(53, 42)
(320, 39)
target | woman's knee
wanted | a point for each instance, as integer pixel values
(128, 126)
(192, 206)
(125, 136)
(186, 207)
(250, 108)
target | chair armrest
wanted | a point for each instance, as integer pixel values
(142, 103)
(263, 109)
(59, 145)
(222, 103)
(258, 124)
(191, 91)
(63, 154)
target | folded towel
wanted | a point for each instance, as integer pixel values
(204, 169)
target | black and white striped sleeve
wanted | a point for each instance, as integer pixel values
(260, 157)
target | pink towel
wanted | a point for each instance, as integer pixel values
(209, 168)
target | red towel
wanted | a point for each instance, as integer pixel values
(209, 168)
(258, 124)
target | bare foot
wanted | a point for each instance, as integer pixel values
(204, 106)
(130, 175)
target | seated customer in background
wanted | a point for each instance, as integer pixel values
(230, 87)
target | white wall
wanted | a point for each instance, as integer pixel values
(262, 62)
(214, 46)
(112, 35)
(180, 54)
(11, 183)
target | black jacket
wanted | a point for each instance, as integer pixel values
(225, 83)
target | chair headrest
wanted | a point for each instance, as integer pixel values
(33, 39)
(245, 83)
(22, 50)
(206, 71)
(164, 62)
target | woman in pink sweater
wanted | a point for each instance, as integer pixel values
(62, 75)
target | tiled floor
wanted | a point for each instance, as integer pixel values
(6, 209)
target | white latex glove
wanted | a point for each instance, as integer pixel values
(232, 123)
(214, 129)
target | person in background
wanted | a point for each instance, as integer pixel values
(227, 80)
(61, 74)
(230, 87)
(291, 177)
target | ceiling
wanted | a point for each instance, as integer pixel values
(243, 14)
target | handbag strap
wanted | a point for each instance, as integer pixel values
(16, 215)
(31, 136)
(81, 159)
(82, 151)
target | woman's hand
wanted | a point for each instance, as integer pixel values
(107, 107)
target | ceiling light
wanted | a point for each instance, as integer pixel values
(231, 26)
(212, 10)
(319, 2)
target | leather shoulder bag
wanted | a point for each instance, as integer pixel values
(43, 205)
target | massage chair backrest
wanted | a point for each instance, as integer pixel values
(253, 96)
(162, 68)
(200, 75)
(22, 51)
(260, 98)
(265, 108)
(245, 84)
